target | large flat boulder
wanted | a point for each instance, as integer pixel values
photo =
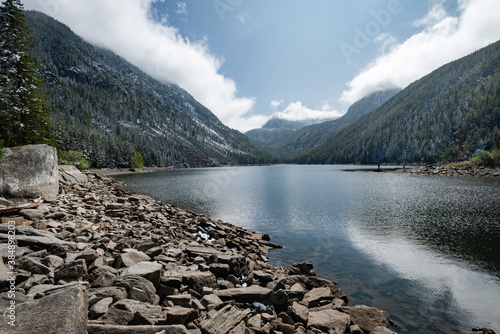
(29, 171)
(59, 310)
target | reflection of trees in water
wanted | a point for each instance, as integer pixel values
(459, 218)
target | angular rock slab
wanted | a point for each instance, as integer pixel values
(30, 171)
(328, 320)
(149, 270)
(316, 295)
(199, 279)
(224, 320)
(368, 318)
(26, 236)
(116, 329)
(251, 294)
(71, 175)
(62, 310)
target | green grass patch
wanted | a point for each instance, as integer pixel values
(72, 158)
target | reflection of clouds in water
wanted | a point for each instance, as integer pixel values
(474, 292)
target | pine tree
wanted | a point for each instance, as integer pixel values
(23, 110)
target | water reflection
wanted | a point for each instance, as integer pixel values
(450, 286)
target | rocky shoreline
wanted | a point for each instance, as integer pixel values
(102, 260)
(471, 170)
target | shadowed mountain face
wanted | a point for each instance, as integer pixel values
(110, 110)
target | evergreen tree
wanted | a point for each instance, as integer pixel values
(23, 111)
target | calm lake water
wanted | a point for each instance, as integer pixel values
(426, 249)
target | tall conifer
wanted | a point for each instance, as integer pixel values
(24, 114)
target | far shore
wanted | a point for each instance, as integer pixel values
(121, 171)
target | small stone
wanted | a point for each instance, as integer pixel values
(32, 214)
(133, 257)
(100, 308)
(56, 215)
(211, 299)
(317, 294)
(33, 266)
(75, 269)
(180, 315)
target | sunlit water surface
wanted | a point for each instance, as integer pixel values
(425, 249)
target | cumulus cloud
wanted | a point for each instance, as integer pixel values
(443, 38)
(127, 28)
(296, 111)
(276, 103)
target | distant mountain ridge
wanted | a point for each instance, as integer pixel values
(447, 115)
(109, 110)
(314, 135)
(277, 129)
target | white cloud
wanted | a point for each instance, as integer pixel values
(443, 38)
(276, 103)
(128, 29)
(296, 111)
(435, 14)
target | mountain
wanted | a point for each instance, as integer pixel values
(110, 110)
(276, 130)
(314, 135)
(447, 115)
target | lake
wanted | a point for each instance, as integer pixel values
(426, 249)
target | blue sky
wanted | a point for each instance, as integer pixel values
(249, 60)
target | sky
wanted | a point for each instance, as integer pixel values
(251, 60)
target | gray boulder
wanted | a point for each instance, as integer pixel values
(30, 171)
(60, 309)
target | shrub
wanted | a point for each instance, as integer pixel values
(138, 160)
(72, 158)
(488, 158)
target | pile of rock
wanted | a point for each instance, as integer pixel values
(472, 170)
(102, 260)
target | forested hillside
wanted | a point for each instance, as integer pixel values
(110, 111)
(447, 115)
